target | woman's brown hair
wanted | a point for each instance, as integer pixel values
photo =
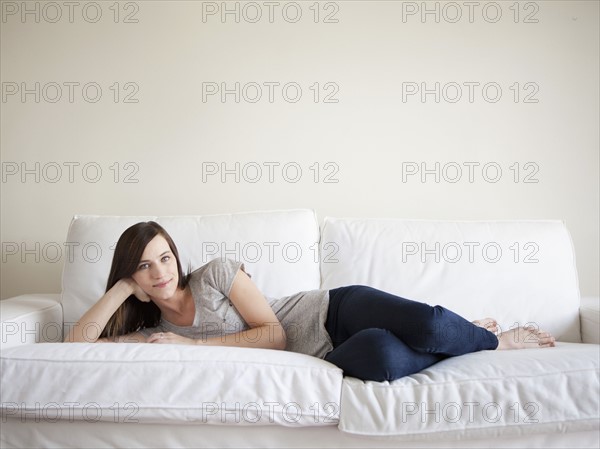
(134, 314)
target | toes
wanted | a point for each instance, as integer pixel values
(546, 340)
(489, 324)
(492, 326)
(486, 322)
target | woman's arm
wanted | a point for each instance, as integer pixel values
(266, 331)
(92, 323)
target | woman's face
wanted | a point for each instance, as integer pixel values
(157, 272)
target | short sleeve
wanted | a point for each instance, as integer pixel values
(220, 274)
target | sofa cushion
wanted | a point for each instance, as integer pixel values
(518, 272)
(168, 383)
(482, 394)
(278, 249)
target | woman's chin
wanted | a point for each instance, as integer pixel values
(163, 295)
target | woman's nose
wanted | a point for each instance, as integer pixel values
(157, 271)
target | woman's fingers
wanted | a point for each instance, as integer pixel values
(137, 290)
(140, 294)
(169, 337)
(159, 337)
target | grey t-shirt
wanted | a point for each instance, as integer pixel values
(302, 315)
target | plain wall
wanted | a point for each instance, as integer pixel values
(519, 92)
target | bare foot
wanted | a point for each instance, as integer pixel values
(487, 323)
(525, 338)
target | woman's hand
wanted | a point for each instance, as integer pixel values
(136, 290)
(170, 337)
(99, 314)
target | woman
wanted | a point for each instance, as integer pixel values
(370, 334)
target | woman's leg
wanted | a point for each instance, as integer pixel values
(424, 328)
(377, 354)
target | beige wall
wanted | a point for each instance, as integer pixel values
(365, 130)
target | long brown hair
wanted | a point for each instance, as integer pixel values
(134, 314)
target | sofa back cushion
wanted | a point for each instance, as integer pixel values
(515, 271)
(279, 249)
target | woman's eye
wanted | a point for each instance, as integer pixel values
(143, 266)
(166, 259)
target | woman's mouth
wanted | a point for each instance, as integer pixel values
(162, 284)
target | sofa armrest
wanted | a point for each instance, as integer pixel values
(589, 315)
(32, 318)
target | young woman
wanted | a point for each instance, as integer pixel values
(370, 334)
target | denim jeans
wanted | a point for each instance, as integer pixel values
(379, 336)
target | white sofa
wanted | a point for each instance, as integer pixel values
(140, 395)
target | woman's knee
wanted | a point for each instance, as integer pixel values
(376, 340)
(371, 354)
(439, 330)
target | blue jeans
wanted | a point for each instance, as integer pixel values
(379, 336)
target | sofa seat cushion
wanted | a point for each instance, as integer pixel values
(157, 383)
(481, 394)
